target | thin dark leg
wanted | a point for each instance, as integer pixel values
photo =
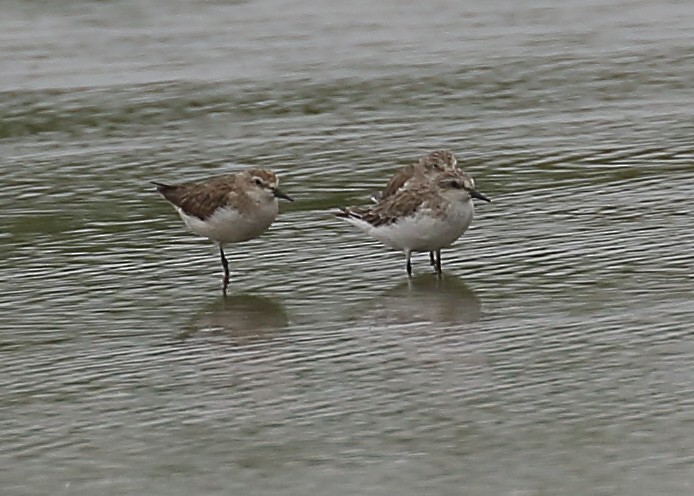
(225, 264)
(409, 264)
(438, 262)
(432, 261)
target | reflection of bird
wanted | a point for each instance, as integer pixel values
(425, 217)
(227, 209)
(243, 317)
(426, 298)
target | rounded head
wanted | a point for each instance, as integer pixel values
(459, 185)
(439, 160)
(262, 184)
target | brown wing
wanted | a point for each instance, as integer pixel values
(199, 199)
(398, 181)
(401, 204)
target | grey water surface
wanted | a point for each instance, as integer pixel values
(555, 356)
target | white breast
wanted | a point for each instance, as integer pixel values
(228, 225)
(424, 232)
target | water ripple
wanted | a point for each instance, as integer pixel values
(555, 346)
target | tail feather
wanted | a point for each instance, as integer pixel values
(352, 213)
(345, 213)
(170, 192)
(161, 187)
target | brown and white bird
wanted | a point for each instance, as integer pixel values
(425, 216)
(421, 171)
(227, 209)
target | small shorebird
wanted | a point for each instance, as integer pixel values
(426, 216)
(227, 209)
(427, 166)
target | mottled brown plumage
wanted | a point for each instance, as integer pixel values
(435, 162)
(408, 201)
(202, 198)
(390, 210)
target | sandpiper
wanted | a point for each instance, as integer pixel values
(427, 166)
(426, 216)
(227, 209)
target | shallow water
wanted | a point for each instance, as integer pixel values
(553, 357)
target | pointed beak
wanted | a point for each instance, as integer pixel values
(279, 194)
(476, 194)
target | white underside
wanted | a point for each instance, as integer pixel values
(227, 225)
(422, 232)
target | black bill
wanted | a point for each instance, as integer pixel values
(279, 194)
(476, 194)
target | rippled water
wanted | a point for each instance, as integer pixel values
(554, 357)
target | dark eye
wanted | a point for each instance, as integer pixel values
(457, 185)
(258, 182)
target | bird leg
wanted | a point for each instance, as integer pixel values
(432, 261)
(409, 263)
(438, 262)
(225, 264)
